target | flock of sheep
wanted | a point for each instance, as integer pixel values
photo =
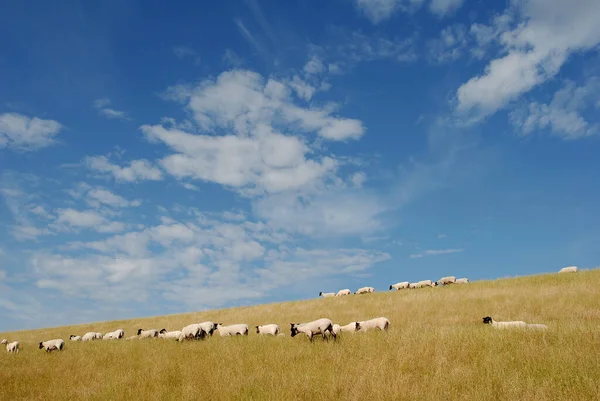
(324, 327)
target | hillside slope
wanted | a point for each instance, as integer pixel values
(437, 348)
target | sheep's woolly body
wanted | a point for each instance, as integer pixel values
(504, 325)
(327, 294)
(399, 286)
(12, 347)
(52, 345)
(381, 323)
(365, 290)
(147, 333)
(233, 330)
(350, 328)
(268, 329)
(426, 283)
(569, 269)
(462, 281)
(310, 329)
(446, 280)
(345, 291)
(171, 335)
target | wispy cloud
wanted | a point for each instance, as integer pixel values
(183, 52)
(102, 106)
(434, 252)
(255, 43)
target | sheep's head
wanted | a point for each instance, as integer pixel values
(321, 293)
(391, 287)
(294, 329)
(163, 331)
(139, 332)
(257, 330)
(41, 345)
(357, 327)
(487, 320)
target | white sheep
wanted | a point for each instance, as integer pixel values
(537, 326)
(319, 326)
(209, 327)
(343, 292)
(172, 335)
(569, 269)
(147, 333)
(400, 286)
(192, 331)
(269, 329)
(114, 335)
(98, 336)
(365, 290)
(326, 294)
(74, 338)
(90, 336)
(446, 280)
(504, 325)
(52, 345)
(350, 327)
(414, 285)
(232, 330)
(426, 283)
(381, 323)
(12, 347)
(462, 281)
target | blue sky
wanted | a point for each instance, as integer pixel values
(160, 158)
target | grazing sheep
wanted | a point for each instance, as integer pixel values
(446, 280)
(319, 326)
(114, 335)
(209, 327)
(232, 330)
(270, 329)
(74, 338)
(537, 326)
(381, 323)
(414, 285)
(192, 331)
(90, 336)
(426, 283)
(503, 325)
(365, 290)
(52, 345)
(13, 347)
(147, 333)
(326, 294)
(569, 269)
(172, 335)
(462, 281)
(350, 327)
(400, 286)
(98, 336)
(343, 292)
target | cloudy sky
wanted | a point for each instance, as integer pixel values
(164, 158)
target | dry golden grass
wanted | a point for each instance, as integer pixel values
(437, 349)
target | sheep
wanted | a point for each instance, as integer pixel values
(270, 329)
(319, 326)
(350, 327)
(232, 330)
(114, 335)
(98, 336)
(365, 290)
(147, 333)
(13, 347)
(74, 338)
(414, 285)
(209, 327)
(90, 336)
(192, 331)
(52, 345)
(426, 283)
(381, 323)
(537, 326)
(326, 294)
(503, 325)
(172, 335)
(462, 281)
(343, 292)
(569, 269)
(400, 286)
(446, 280)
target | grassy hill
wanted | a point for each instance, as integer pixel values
(436, 349)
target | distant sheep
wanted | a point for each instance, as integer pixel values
(343, 292)
(233, 330)
(319, 326)
(504, 325)
(268, 329)
(446, 280)
(365, 290)
(12, 347)
(569, 269)
(426, 283)
(462, 281)
(74, 338)
(415, 285)
(98, 336)
(90, 336)
(172, 335)
(381, 323)
(400, 286)
(147, 333)
(192, 332)
(350, 328)
(209, 327)
(326, 294)
(114, 335)
(52, 345)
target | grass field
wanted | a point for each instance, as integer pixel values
(436, 349)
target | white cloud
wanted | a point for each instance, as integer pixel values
(445, 7)
(358, 179)
(137, 170)
(314, 66)
(564, 114)
(534, 48)
(380, 10)
(435, 252)
(101, 106)
(97, 196)
(451, 44)
(71, 219)
(27, 134)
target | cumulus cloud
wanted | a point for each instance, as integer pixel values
(434, 252)
(72, 220)
(102, 106)
(27, 134)
(536, 38)
(137, 170)
(564, 115)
